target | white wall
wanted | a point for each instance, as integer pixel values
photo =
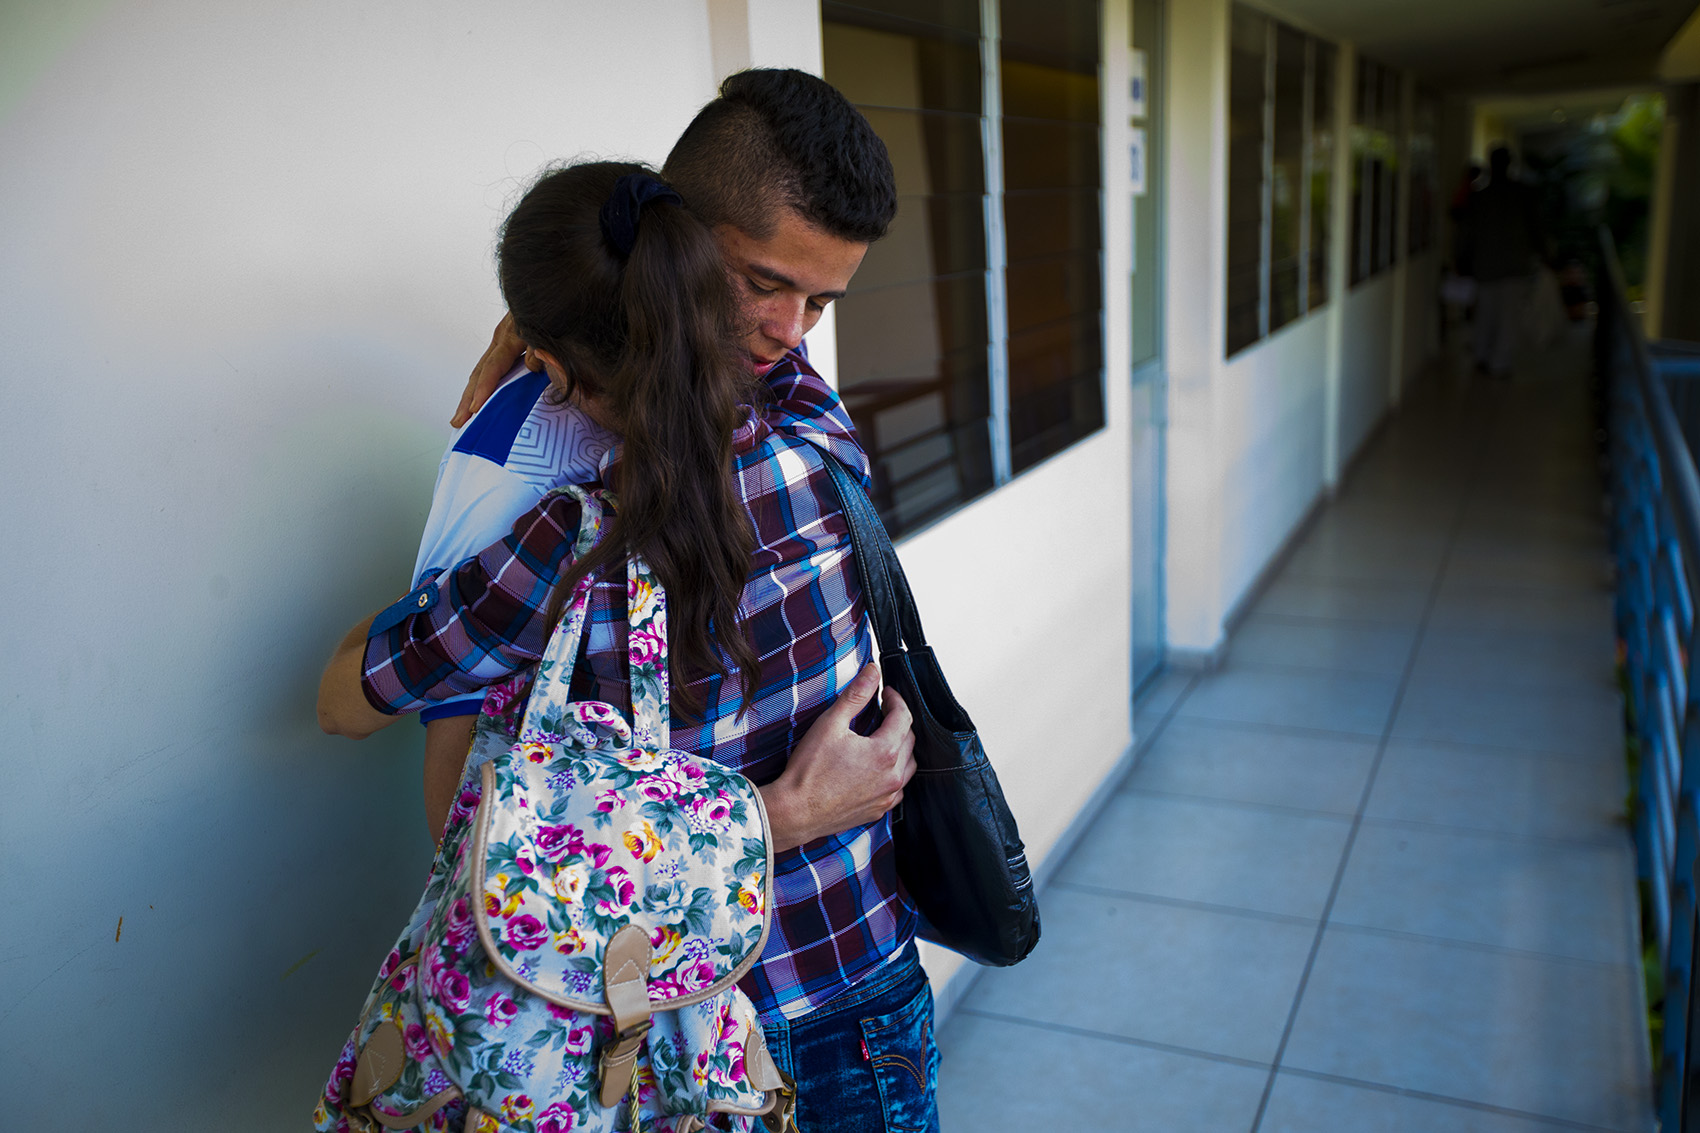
(244, 269)
(1365, 361)
(1256, 439)
(1421, 339)
(1271, 439)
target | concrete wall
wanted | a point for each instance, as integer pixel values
(1271, 417)
(1366, 361)
(1421, 339)
(1254, 440)
(247, 265)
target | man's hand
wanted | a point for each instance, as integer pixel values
(837, 780)
(504, 350)
(343, 707)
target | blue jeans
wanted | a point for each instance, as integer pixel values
(866, 1062)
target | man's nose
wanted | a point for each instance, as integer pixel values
(785, 323)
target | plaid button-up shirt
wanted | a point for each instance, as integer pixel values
(839, 911)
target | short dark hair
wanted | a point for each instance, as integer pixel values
(784, 139)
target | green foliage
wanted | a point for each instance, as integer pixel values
(1635, 140)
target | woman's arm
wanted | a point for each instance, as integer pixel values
(446, 743)
(506, 347)
(343, 707)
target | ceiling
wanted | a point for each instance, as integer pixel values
(1487, 47)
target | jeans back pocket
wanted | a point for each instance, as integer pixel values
(905, 1062)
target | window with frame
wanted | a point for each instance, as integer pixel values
(1280, 145)
(970, 344)
(1375, 170)
(1425, 172)
(913, 336)
(1053, 240)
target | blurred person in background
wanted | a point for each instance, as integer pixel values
(1501, 238)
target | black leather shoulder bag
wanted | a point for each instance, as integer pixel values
(958, 852)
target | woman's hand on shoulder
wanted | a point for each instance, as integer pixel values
(499, 357)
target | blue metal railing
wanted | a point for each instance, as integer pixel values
(1656, 543)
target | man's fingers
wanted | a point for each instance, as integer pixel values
(855, 696)
(897, 715)
(904, 766)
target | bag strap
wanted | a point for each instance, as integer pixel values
(885, 588)
(551, 689)
(646, 640)
(646, 651)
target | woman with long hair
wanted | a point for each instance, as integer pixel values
(720, 483)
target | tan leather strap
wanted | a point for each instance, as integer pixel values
(625, 982)
(381, 1062)
(625, 977)
(758, 1063)
(782, 1118)
(616, 1064)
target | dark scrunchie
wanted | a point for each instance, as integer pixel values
(624, 206)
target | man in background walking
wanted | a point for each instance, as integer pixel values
(1502, 237)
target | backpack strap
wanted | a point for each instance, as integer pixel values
(551, 690)
(646, 645)
(625, 981)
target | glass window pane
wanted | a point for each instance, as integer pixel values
(1047, 154)
(1052, 166)
(1032, 90)
(924, 74)
(1425, 172)
(931, 151)
(1044, 222)
(1372, 169)
(1386, 244)
(1286, 171)
(1052, 289)
(912, 332)
(1246, 138)
(1056, 392)
(922, 19)
(1321, 166)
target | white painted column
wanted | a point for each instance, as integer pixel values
(1339, 259)
(1194, 319)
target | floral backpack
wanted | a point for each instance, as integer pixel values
(574, 960)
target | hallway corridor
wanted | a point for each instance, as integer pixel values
(1373, 873)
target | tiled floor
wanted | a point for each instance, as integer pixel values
(1372, 874)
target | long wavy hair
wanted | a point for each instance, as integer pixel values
(655, 339)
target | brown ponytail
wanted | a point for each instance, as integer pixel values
(655, 337)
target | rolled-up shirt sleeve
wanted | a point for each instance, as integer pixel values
(472, 625)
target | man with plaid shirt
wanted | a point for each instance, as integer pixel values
(842, 995)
